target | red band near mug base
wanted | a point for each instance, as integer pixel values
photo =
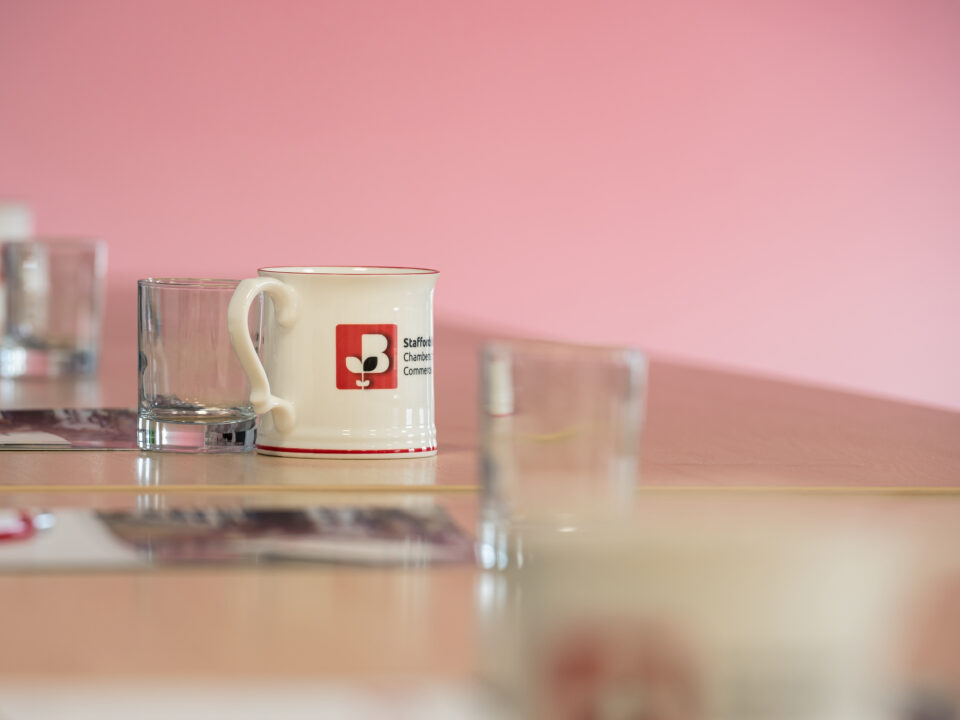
(272, 448)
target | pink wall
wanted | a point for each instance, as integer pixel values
(771, 186)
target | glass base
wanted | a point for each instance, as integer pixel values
(17, 361)
(197, 437)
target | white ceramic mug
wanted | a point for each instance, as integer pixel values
(347, 365)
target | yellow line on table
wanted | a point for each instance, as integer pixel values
(236, 489)
(429, 489)
(801, 490)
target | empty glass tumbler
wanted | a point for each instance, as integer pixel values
(560, 432)
(194, 396)
(51, 306)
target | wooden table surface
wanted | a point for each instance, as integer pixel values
(715, 443)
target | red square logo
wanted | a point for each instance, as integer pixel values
(366, 357)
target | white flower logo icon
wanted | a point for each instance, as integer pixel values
(372, 360)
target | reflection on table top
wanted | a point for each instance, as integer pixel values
(715, 445)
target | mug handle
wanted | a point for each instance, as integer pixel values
(285, 300)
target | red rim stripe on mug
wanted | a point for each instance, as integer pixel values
(272, 448)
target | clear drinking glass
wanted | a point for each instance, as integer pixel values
(560, 429)
(51, 305)
(194, 396)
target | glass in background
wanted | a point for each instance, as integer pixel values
(16, 220)
(52, 307)
(193, 394)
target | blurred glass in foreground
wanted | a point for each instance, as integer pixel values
(702, 619)
(599, 601)
(52, 306)
(560, 428)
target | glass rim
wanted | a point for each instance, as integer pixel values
(500, 346)
(66, 241)
(192, 283)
